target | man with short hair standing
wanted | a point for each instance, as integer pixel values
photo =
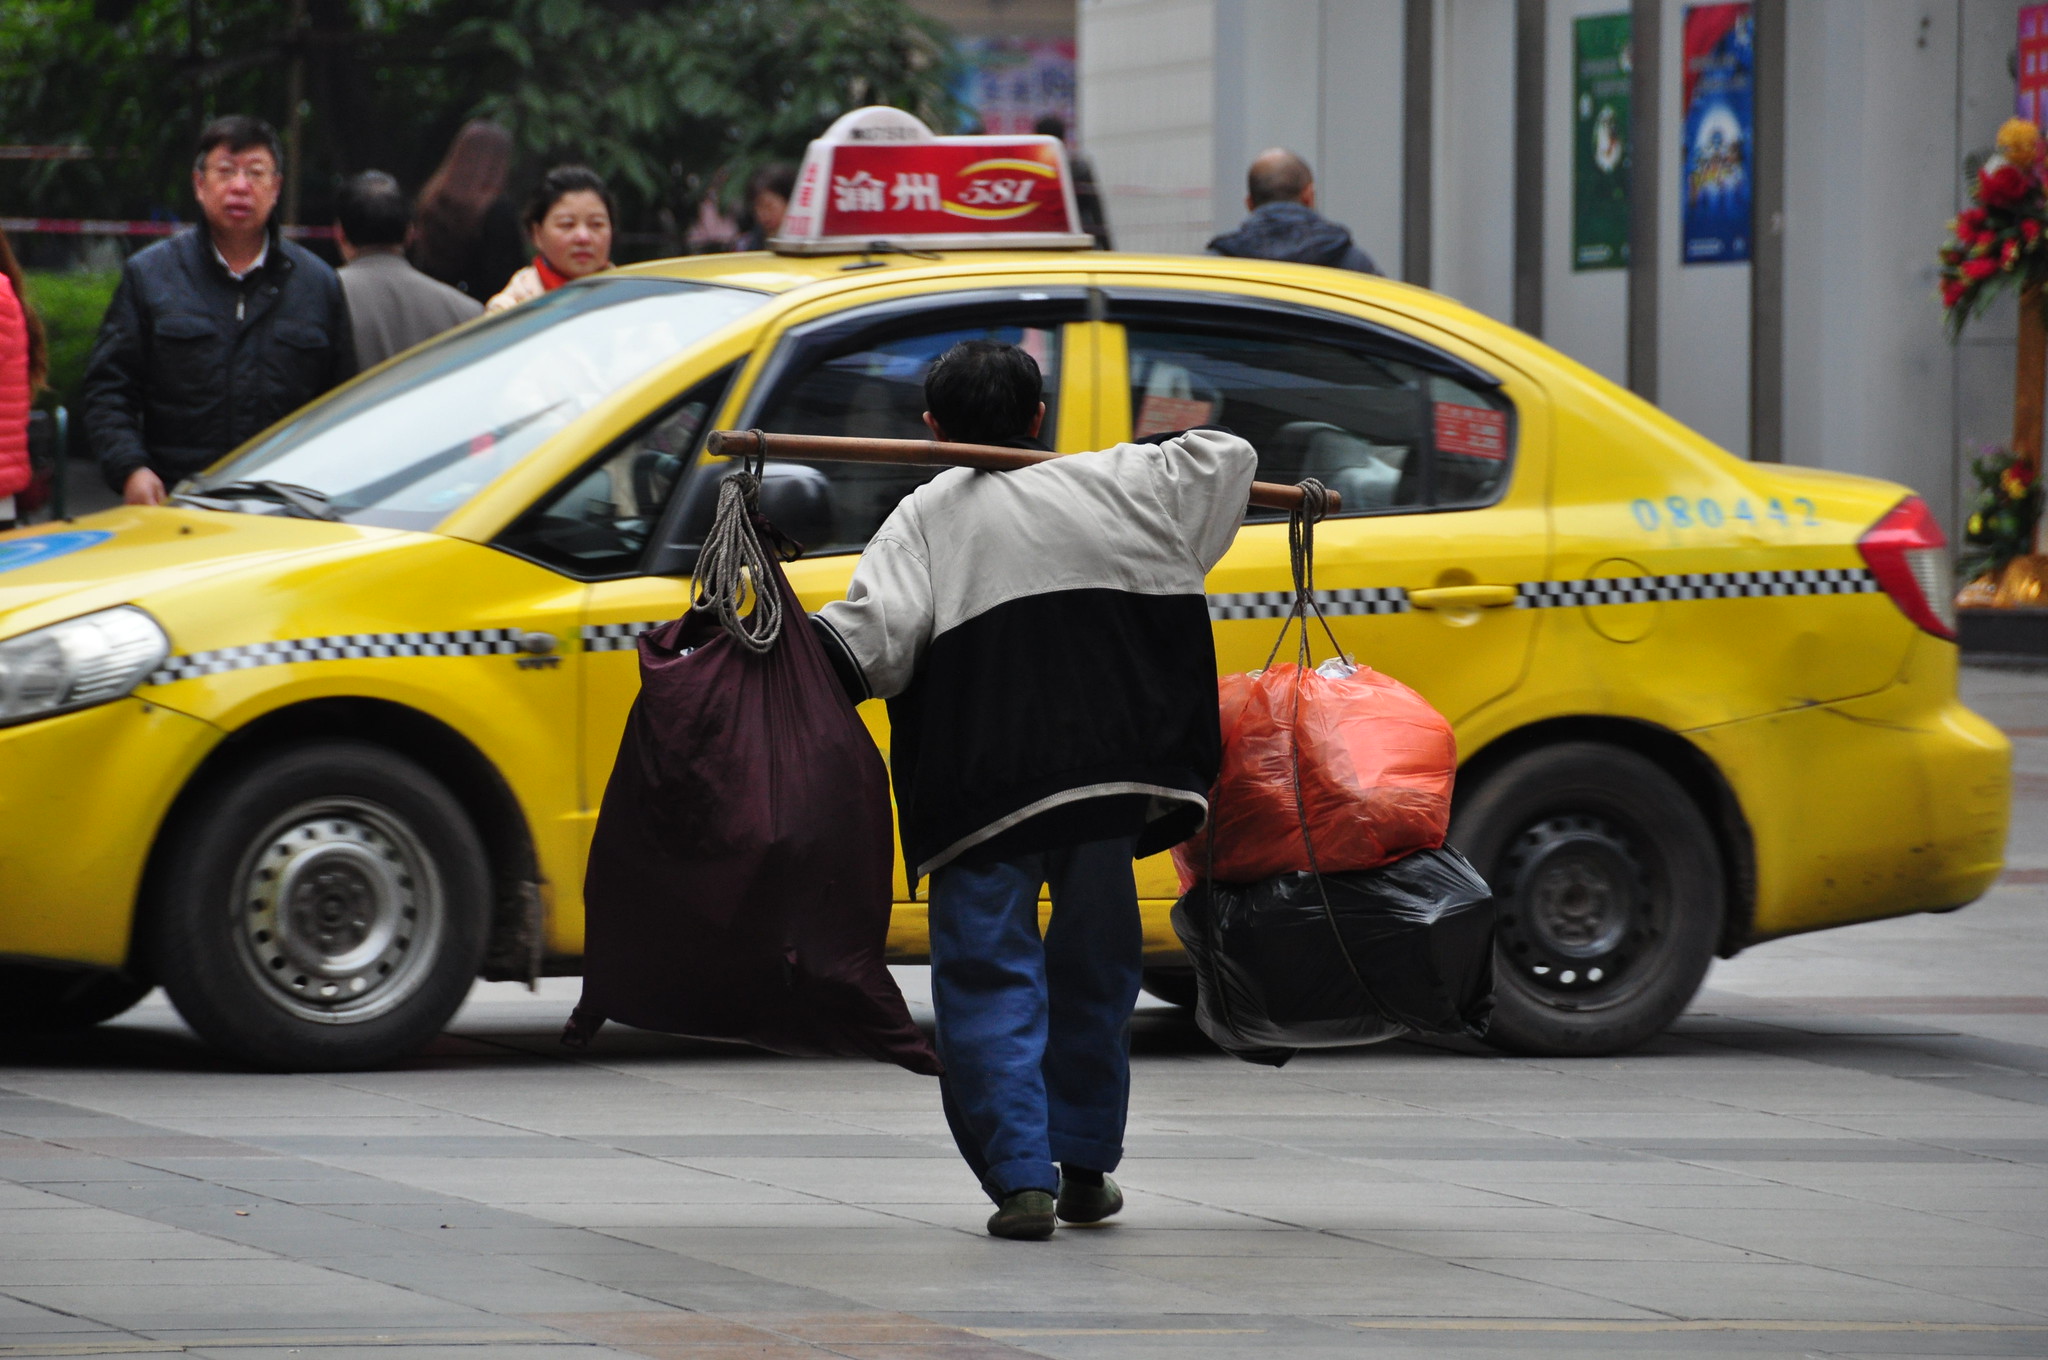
(393, 305)
(1280, 190)
(215, 333)
(1042, 637)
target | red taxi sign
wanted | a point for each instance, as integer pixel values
(879, 175)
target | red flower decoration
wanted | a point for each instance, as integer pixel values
(2030, 229)
(1980, 269)
(2005, 187)
(1952, 292)
(1970, 220)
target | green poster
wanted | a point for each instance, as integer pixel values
(1600, 80)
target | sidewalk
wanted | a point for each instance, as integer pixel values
(1841, 1151)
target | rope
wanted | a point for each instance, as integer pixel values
(1301, 558)
(733, 560)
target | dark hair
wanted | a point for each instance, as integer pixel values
(560, 182)
(471, 177)
(1278, 177)
(238, 132)
(38, 343)
(983, 392)
(1051, 125)
(776, 177)
(372, 210)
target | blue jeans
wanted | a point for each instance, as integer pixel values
(1035, 1034)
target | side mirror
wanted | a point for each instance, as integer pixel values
(796, 498)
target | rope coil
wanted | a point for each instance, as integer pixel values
(734, 561)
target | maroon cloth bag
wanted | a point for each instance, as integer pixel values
(739, 880)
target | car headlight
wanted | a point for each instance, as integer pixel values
(78, 663)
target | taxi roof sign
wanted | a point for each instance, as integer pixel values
(879, 176)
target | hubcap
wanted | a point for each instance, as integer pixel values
(338, 910)
(1578, 914)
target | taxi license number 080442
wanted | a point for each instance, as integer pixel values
(1678, 512)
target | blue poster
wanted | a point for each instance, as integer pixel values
(1720, 121)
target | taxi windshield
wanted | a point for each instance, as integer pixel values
(407, 446)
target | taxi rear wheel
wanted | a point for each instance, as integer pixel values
(1610, 897)
(323, 909)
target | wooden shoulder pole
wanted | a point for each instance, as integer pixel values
(822, 448)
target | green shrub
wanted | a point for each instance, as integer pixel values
(71, 305)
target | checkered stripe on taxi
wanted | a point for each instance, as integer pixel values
(614, 637)
(339, 647)
(1696, 585)
(1276, 604)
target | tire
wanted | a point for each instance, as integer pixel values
(1611, 897)
(36, 1000)
(1174, 986)
(323, 908)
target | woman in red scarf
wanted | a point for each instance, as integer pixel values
(570, 221)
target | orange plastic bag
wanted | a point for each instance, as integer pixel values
(1375, 768)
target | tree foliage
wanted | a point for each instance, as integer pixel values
(667, 100)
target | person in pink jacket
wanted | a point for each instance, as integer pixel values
(23, 366)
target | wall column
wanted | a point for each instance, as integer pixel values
(1531, 62)
(1767, 241)
(1418, 160)
(1646, 48)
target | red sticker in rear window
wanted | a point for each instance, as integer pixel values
(1475, 431)
(1157, 415)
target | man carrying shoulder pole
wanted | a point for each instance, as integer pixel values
(1042, 638)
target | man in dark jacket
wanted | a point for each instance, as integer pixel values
(1284, 225)
(215, 333)
(1042, 637)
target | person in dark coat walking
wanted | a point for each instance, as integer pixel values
(1087, 194)
(1042, 638)
(215, 333)
(392, 305)
(1284, 225)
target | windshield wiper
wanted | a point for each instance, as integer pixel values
(303, 501)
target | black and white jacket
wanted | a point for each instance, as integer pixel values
(1042, 638)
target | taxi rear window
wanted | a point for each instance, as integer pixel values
(408, 445)
(1387, 434)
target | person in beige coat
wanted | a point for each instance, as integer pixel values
(570, 220)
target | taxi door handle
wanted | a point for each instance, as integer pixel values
(1463, 597)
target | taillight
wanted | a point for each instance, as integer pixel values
(1908, 554)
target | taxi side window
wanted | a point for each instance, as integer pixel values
(1385, 434)
(876, 391)
(595, 525)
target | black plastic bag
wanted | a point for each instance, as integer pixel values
(1302, 960)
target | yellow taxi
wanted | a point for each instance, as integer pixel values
(324, 739)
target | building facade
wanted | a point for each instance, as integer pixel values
(1442, 132)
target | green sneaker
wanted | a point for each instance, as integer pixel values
(1026, 1216)
(1088, 1203)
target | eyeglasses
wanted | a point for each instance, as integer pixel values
(228, 174)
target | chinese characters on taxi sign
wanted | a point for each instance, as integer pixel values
(878, 175)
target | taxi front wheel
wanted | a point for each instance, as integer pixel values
(1610, 894)
(323, 908)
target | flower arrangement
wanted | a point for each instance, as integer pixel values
(1998, 243)
(2008, 506)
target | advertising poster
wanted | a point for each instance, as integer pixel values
(1011, 83)
(1720, 120)
(1600, 76)
(2033, 63)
